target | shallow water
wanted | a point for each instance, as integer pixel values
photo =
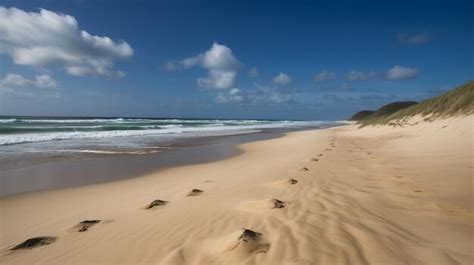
(50, 164)
(26, 141)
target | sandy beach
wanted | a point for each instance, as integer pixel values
(377, 195)
(236, 132)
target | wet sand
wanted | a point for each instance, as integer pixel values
(52, 173)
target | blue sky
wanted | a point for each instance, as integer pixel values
(229, 59)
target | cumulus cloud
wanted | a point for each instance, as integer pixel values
(218, 79)
(262, 94)
(419, 38)
(219, 61)
(253, 72)
(46, 38)
(282, 79)
(233, 95)
(399, 72)
(16, 80)
(222, 71)
(324, 75)
(18, 86)
(183, 64)
(217, 57)
(360, 75)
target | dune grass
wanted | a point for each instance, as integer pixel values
(459, 101)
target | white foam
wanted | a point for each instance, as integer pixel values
(177, 129)
(8, 120)
(105, 152)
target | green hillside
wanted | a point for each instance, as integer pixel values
(361, 115)
(384, 111)
(459, 101)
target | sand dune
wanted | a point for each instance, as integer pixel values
(375, 196)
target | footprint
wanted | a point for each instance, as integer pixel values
(263, 205)
(208, 181)
(304, 169)
(328, 149)
(195, 192)
(86, 224)
(250, 242)
(238, 246)
(156, 203)
(35, 242)
(292, 181)
(277, 204)
(417, 191)
(314, 159)
(284, 182)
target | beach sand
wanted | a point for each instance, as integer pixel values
(377, 195)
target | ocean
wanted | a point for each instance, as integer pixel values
(23, 138)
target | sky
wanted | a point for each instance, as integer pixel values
(305, 60)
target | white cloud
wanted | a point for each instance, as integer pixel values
(324, 75)
(253, 72)
(419, 38)
(220, 62)
(45, 81)
(263, 94)
(18, 86)
(234, 91)
(218, 79)
(282, 79)
(360, 75)
(191, 61)
(233, 95)
(399, 72)
(16, 80)
(183, 64)
(219, 57)
(46, 38)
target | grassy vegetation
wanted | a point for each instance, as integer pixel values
(382, 112)
(391, 108)
(459, 101)
(361, 115)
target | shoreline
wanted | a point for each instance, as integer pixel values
(372, 195)
(102, 168)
